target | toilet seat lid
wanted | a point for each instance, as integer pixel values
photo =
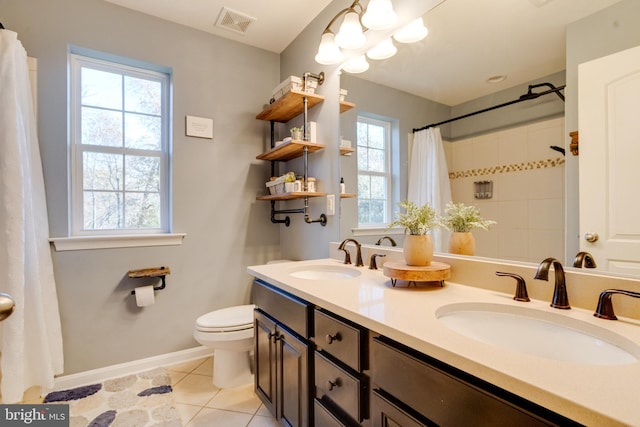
(227, 319)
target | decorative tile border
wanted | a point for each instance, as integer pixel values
(514, 167)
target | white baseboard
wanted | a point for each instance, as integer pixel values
(99, 375)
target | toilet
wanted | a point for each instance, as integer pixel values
(229, 331)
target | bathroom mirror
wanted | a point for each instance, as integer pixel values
(405, 72)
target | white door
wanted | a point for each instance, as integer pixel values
(609, 134)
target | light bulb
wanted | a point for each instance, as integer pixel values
(379, 15)
(356, 65)
(412, 32)
(350, 35)
(382, 50)
(328, 52)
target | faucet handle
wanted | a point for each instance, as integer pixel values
(605, 306)
(372, 261)
(521, 286)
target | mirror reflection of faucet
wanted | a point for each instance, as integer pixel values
(383, 238)
(584, 259)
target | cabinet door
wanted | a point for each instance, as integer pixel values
(386, 414)
(293, 376)
(265, 360)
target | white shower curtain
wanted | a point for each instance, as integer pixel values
(31, 336)
(429, 177)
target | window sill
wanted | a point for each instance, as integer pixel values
(377, 231)
(81, 243)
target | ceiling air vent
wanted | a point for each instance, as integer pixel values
(232, 20)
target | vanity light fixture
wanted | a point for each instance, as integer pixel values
(413, 32)
(351, 34)
(356, 65)
(328, 52)
(383, 50)
(378, 15)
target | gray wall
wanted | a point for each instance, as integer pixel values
(611, 30)
(215, 182)
(302, 240)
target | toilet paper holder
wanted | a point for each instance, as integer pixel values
(160, 272)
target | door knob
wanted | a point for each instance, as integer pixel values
(7, 305)
(591, 237)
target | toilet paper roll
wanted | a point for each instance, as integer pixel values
(145, 296)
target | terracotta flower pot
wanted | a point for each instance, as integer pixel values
(462, 243)
(418, 250)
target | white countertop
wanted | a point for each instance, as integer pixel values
(590, 394)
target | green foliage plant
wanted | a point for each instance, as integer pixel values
(463, 218)
(416, 220)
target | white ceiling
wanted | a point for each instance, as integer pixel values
(468, 42)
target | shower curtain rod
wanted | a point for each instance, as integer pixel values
(529, 95)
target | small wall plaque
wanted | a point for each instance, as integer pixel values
(199, 127)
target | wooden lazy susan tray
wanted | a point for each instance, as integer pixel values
(398, 270)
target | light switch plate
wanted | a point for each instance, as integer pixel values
(331, 204)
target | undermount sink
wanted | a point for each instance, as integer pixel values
(324, 272)
(539, 333)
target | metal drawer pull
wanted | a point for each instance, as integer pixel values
(331, 338)
(332, 384)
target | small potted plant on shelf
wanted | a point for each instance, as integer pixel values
(297, 134)
(460, 219)
(417, 222)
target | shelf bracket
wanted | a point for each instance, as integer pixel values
(286, 221)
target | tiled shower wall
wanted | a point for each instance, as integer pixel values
(528, 189)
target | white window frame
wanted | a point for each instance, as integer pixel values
(388, 173)
(122, 237)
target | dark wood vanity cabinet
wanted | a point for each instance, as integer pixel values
(341, 357)
(412, 389)
(314, 368)
(282, 355)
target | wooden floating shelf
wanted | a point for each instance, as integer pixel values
(346, 151)
(149, 272)
(291, 196)
(289, 150)
(346, 106)
(289, 106)
(348, 195)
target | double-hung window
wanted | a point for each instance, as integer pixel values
(120, 148)
(374, 172)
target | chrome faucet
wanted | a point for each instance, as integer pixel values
(347, 256)
(560, 299)
(605, 306)
(584, 258)
(383, 238)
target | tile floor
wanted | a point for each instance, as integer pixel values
(201, 404)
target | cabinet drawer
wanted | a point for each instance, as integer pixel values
(342, 340)
(385, 413)
(340, 387)
(287, 309)
(323, 416)
(438, 395)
